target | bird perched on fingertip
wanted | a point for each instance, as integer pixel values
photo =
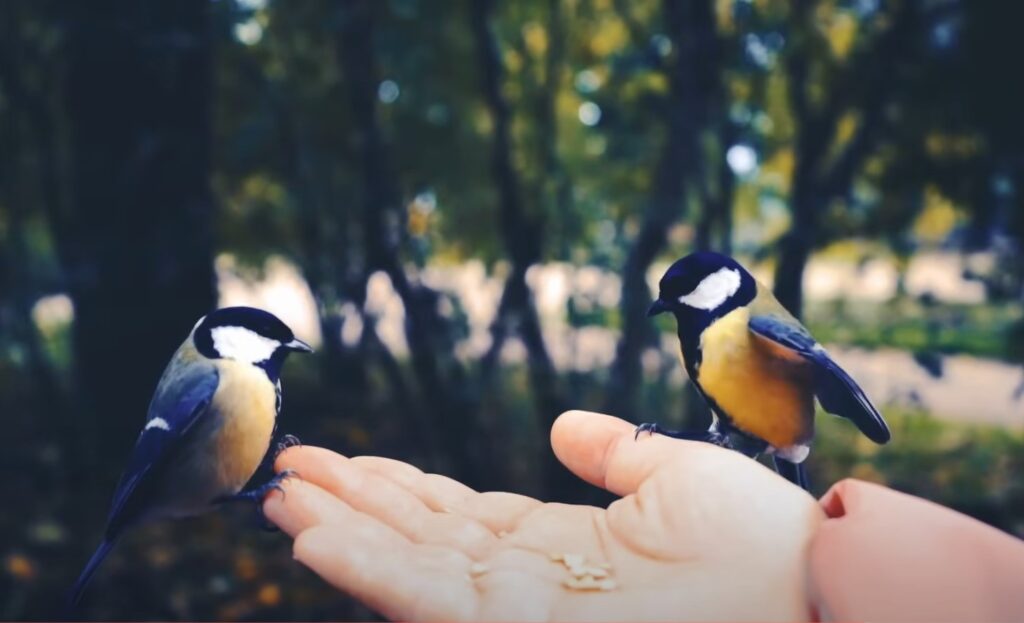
(757, 367)
(210, 424)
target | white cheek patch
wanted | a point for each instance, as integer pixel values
(241, 344)
(713, 290)
(157, 422)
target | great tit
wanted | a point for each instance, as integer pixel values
(755, 365)
(210, 424)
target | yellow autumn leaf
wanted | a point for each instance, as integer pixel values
(938, 217)
(841, 32)
(779, 166)
(846, 126)
(536, 38)
(724, 16)
(269, 595)
(20, 567)
(609, 36)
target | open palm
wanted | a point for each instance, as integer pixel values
(700, 533)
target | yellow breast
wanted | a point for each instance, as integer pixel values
(246, 403)
(762, 394)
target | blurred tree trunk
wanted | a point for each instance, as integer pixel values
(443, 388)
(26, 136)
(522, 235)
(327, 256)
(136, 245)
(867, 83)
(690, 26)
(714, 228)
(555, 186)
(325, 251)
(813, 134)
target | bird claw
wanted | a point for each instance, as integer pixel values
(274, 484)
(646, 427)
(712, 437)
(257, 495)
(288, 441)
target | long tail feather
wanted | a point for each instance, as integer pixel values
(90, 569)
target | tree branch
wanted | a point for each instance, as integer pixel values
(520, 232)
(439, 375)
(690, 27)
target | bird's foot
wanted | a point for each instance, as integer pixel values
(706, 436)
(796, 473)
(288, 441)
(648, 427)
(257, 495)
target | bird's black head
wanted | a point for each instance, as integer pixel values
(248, 335)
(702, 287)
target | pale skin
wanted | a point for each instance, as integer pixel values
(699, 533)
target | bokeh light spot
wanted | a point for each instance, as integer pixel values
(589, 114)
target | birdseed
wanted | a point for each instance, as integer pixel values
(585, 577)
(573, 561)
(478, 568)
(588, 583)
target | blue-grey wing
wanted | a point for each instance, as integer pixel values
(836, 391)
(182, 397)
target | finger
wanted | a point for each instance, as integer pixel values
(603, 450)
(409, 584)
(437, 492)
(370, 493)
(398, 471)
(295, 456)
(500, 512)
(302, 505)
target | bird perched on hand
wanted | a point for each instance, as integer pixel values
(755, 365)
(209, 426)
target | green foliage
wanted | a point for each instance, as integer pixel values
(981, 330)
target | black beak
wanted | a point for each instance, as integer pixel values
(657, 307)
(299, 346)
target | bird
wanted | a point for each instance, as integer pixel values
(209, 426)
(755, 365)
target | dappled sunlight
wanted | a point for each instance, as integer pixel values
(53, 312)
(942, 275)
(827, 279)
(385, 307)
(280, 289)
(478, 294)
(891, 377)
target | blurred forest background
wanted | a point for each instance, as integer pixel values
(465, 206)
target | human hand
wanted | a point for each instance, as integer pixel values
(700, 533)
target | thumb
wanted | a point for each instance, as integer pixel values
(602, 450)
